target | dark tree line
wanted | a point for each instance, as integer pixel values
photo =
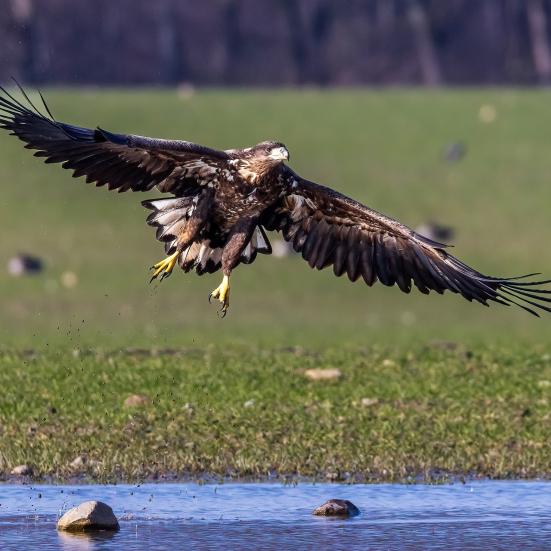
(276, 42)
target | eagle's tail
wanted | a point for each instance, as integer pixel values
(170, 216)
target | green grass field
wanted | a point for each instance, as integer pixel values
(251, 412)
(436, 409)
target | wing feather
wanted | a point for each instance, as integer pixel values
(367, 259)
(353, 254)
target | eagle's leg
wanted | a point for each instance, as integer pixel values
(240, 236)
(185, 237)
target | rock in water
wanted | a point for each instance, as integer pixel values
(90, 515)
(337, 508)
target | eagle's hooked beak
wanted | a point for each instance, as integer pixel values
(279, 154)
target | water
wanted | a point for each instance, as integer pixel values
(480, 515)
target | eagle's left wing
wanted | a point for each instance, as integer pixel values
(120, 161)
(330, 229)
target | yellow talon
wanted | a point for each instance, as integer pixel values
(222, 293)
(164, 267)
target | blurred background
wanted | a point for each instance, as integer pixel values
(436, 113)
(276, 42)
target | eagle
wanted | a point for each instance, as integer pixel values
(219, 206)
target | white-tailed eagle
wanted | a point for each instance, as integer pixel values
(219, 205)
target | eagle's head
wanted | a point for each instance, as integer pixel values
(274, 152)
(253, 163)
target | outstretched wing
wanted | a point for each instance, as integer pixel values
(330, 229)
(120, 161)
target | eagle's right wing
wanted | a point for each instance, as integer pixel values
(120, 161)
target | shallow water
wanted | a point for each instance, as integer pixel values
(479, 515)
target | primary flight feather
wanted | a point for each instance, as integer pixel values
(221, 202)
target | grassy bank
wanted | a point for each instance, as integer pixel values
(241, 412)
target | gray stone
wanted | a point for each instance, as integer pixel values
(337, 508)
(88, 516)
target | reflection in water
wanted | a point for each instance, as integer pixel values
(482, 515)
(83, 541)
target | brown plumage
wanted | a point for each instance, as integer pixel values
(222, 202)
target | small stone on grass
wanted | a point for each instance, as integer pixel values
(69, 280)
(79, 462)
(22, 470)
(337, 508)
(88, 516)
(329, 374)
(368, 402)
(136, 400)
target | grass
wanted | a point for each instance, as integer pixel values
(481, 413)
(249, 412)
